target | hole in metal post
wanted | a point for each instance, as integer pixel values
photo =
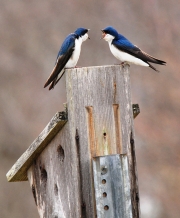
(106, 207)
(104, 170)
(104, 134)
(104, 194)
(103, 181)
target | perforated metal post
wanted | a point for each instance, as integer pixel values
(112, 186)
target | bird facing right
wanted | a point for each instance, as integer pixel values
(68, 55)
(125, 51)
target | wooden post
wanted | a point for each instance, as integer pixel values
(87, 166)
(100, 113)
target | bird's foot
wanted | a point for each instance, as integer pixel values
(127, 64)
(77, 67)
(123, 64)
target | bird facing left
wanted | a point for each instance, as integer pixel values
(68, 55)
(127, 52)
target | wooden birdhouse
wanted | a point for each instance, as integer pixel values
(83, 163)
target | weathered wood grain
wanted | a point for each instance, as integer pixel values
(18, 172)
(100, 122)
(100, 108)
(53, 178)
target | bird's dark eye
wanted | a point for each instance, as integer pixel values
(85, 31)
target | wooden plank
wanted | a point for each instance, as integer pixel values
(18, 172)
(54, 179)
(100, 110)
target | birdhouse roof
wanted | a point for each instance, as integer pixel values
(18, 172)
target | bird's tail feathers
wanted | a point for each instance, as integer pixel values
(52, 77)
(154, 60)
(52, 85)
(151, 66)
(56, 80)
(57, 68)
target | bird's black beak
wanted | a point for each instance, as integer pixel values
(88, 36)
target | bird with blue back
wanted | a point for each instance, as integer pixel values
(126, 52)
(68, 55)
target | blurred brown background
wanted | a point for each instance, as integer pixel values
(31, 33)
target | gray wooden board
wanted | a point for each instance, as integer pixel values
(18, 172)
(57, 195)
(100, 108)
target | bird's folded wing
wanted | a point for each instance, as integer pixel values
(136, 52)
(62, 59)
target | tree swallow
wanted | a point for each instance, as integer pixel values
(125, 51)
(68, 55)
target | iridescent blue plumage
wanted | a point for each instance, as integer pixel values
(68, 55)
(81, 31)
(125, 51)
(110, 30)
(121, 40)
(68, 43)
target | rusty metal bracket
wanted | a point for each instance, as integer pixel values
(112, 186)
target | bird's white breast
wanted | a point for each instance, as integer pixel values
(125, 57)
(76, 53)
(77, 50)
